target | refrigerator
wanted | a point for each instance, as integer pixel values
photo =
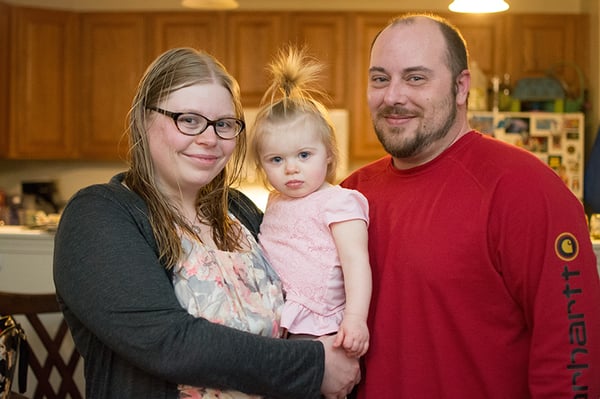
(555, 138)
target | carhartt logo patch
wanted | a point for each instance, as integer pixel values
(566, 246)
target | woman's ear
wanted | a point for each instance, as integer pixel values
(463, 84)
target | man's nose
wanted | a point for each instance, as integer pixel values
(396, 93)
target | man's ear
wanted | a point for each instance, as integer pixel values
(463, 84)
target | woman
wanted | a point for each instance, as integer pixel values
(120, 245)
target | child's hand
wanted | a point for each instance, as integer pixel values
(353, 336)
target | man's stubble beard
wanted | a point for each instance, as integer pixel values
(399, 147)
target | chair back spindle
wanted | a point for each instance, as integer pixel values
(31, 306)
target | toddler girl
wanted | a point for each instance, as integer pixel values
(314, 233)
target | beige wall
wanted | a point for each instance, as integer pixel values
(69, 176)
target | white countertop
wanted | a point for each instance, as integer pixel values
(24, 232)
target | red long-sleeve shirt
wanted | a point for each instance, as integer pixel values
(484, 279)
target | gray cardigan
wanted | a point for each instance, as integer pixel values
(135, 338)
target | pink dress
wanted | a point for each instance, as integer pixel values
(235, 289)
(296, 237)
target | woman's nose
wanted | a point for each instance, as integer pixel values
(208, 136)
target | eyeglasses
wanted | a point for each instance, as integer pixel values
(192, 124)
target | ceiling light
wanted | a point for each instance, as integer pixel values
(478, 6)
(210, 4)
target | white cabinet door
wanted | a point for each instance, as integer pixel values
(26, 262)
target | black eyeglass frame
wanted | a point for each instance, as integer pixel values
(175, 116)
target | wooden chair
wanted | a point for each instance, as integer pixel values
(31, 306)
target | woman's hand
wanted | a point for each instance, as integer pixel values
(342, 372)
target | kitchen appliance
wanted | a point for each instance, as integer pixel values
(40, 196)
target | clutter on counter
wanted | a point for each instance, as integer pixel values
(37, 206)
(594, 224)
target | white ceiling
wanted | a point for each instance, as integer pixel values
(520, 6)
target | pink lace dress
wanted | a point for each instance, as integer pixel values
(296, 237)
(235, 289)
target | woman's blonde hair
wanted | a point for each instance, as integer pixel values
(292, 95)
(173, 70)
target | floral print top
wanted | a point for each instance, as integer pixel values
(235, 289)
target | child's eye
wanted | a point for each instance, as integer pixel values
(304, 155)
(275, 160)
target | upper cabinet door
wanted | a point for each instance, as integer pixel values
(540, 43)
(485, 37)
(42, 70)
(4, 77)
(113, 61)
(364, 145)
(202, 31)
(252, 41)
(324, 37)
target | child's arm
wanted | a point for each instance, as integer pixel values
(351, 240)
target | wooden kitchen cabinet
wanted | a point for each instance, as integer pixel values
(71, 76)
(247, 42)
(4, 77)
(252, 41)
(324, 36)
(202, 31)
(113, 59)
(537, 42)
(41, 106)
(486, 39)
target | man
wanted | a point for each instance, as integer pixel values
(484, 277)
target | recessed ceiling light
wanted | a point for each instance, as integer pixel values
(210, 4)
(478, 6)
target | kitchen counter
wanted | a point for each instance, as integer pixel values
(26, 260)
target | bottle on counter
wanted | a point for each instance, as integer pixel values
(504, 94)
(478, 94)
(15, 211)
(3, 209)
